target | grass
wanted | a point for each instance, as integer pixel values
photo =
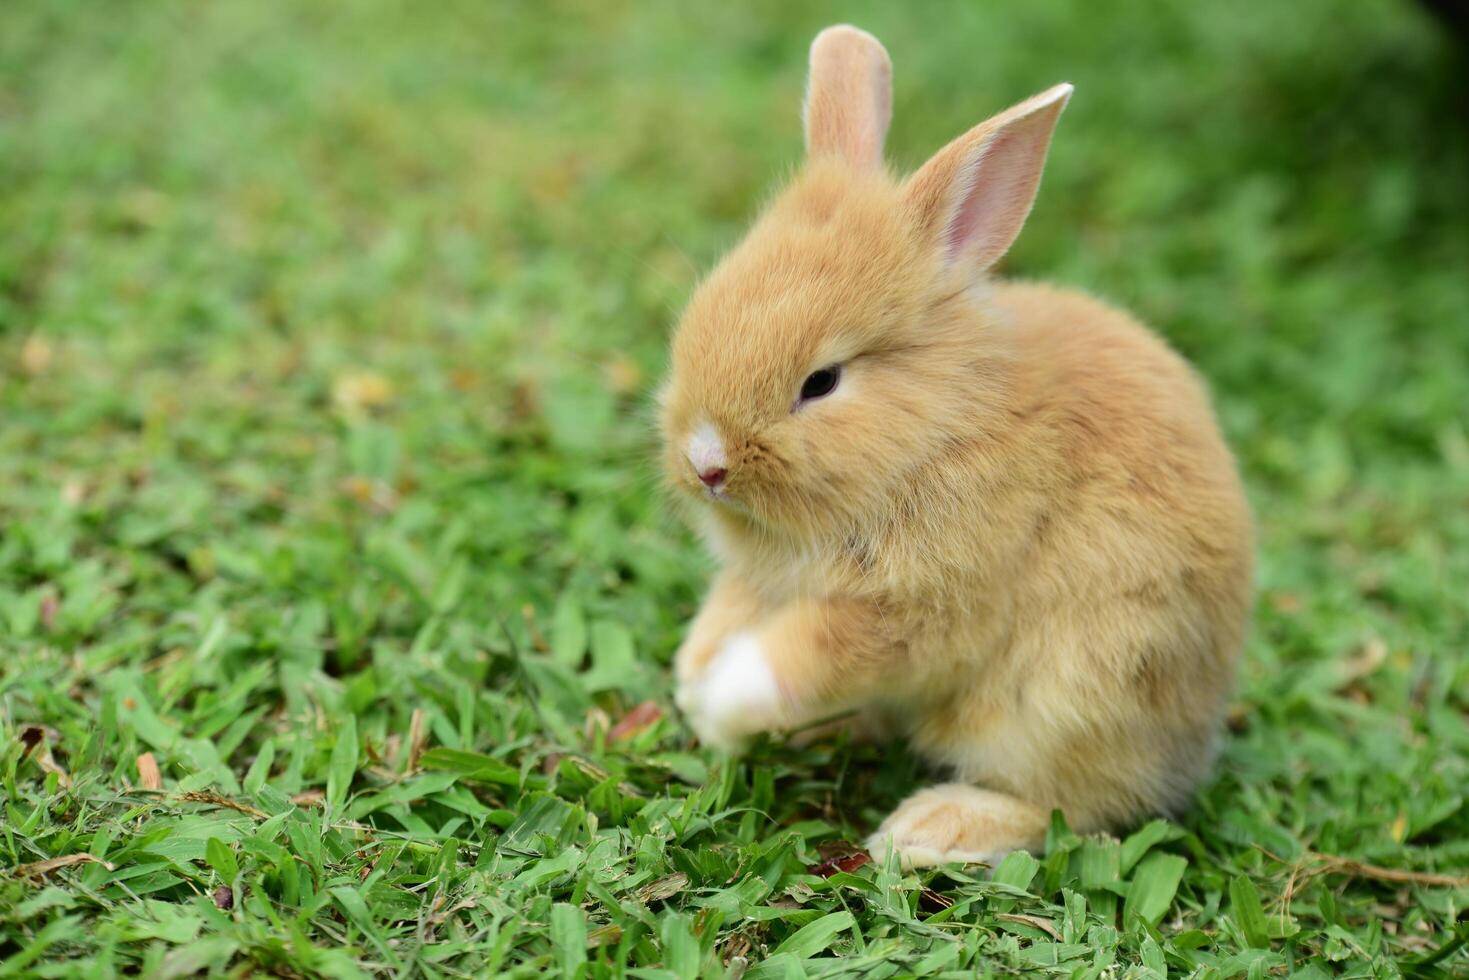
(333, 570)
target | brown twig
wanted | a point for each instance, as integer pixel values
(214, 799)
(1332, 864)
(40, 869)
(1357, 869)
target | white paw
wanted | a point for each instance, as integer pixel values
(918, 851)
(737, 696)
(959, 824)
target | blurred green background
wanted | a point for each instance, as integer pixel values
(327, 335)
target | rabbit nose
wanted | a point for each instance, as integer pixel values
(705, 452)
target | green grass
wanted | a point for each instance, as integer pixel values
(326, 340)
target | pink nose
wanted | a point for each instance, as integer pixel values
(713, 476)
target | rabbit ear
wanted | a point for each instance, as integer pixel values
(973, 196)
(849, 97)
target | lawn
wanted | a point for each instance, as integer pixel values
(337, 591)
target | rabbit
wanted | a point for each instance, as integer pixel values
(995, 519)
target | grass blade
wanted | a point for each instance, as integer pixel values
(343, 764)
(1154, 883)
(816, 936)
(1249, 914)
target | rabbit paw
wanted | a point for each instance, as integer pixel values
(736, 696)
(957, 823)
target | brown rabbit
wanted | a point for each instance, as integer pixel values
(996, 519)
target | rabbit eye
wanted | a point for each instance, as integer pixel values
(818, 384)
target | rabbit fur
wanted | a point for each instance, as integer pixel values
(1010, 534)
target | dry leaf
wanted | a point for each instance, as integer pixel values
(537, 638)
(1371, 655)
(441, 915)
(1044, 925)
(736, 954)
(214, 799)
(40, 869)
(373, 493)
(392, 746)
(50, 607)
(606, 935)
(36, 355)
(636, 720)
(596, 723)
(1400, 828)
(417, 738)
(587, 767)
(361, 390)
(623, 374)
(37, 739)
(934, 902)
(310, 797)
(665, 887)
(359, 488)
(1285, 603)
(149, 776)
(525, 399)
(840, 863)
